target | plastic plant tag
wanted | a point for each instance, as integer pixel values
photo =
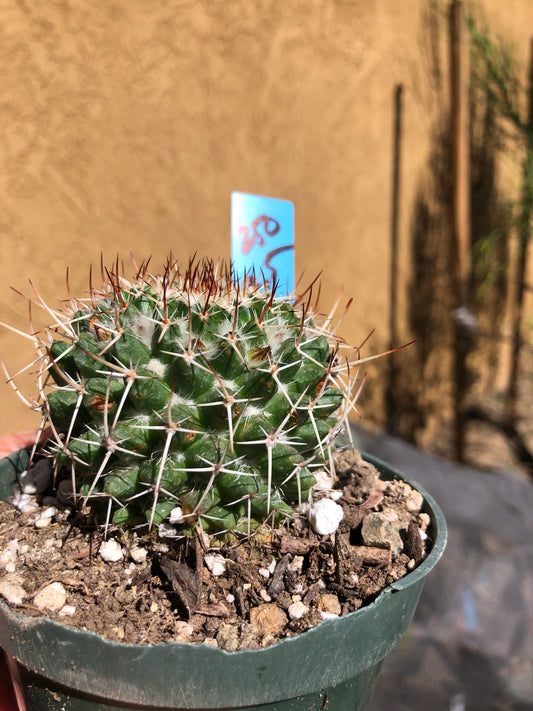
(262, 239)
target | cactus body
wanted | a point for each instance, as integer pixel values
(191, 398)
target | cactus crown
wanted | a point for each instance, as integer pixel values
(192, 397)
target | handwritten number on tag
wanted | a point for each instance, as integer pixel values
(270, 226)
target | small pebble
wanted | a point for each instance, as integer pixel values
(268, 618)
(230, 598)
(111, 551)
(389, 515)
(329, 603)
(210, 642)
(248, 636)
(228, 637)
(266, 597)
(67, 611)
(183, 629)
(296, 564)
(119, 631)
(215, 563)
(268, 639)
(424, 521)
(52, 597)
(138, 554)
(43, 522)
(377, 530)
(414, 501)
(325, 516)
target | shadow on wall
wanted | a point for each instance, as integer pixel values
(423, 386)
(419, 393)
(492, 224)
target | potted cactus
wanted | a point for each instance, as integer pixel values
(203, 411)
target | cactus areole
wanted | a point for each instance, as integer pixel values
(191, 398)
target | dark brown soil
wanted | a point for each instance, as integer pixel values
(271, 588)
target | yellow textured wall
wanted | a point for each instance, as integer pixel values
(125, 126)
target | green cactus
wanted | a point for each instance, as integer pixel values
(193, 398)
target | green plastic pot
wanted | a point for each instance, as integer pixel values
(332, 666)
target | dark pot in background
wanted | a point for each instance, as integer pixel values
(332, 666)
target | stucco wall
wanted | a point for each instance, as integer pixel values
(126, 125)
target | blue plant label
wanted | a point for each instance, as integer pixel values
(262, 239)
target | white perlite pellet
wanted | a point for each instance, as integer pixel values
(328, 615)
(325, 516)
(48, 512)
(8, 557)
(111, 551)
(24, 502)
(297, 610)
(12, 591)
(165, 530)
(215, 563)
(176, 515)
